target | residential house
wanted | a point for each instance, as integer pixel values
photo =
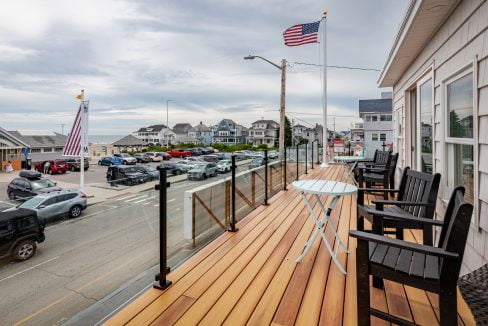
(297, 132)
(130, 143)
(43, 144)
(264, 132)
(378, 124)
(356, 136)
(438, 68)
(155, 134)
(185, 139)
(182, 128)
(202, 133)
(11, 149)
(230, 133)
(311, 134)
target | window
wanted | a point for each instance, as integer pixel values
(385, 117)
(35, 150)
(58, 149)
(368, 118)
(459, 134)
(48, 150)
(374, 118)
(382, 137)
(426, 135)
(374, 137)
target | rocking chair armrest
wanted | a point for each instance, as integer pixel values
(405, 217)
(377, 190)
(415, 247)
(377, 170)
(399, 202)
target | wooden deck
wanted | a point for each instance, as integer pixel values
(250, 277)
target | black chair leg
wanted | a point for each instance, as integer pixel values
(427, 237)
(360, 223)
(362, 284)
(448, 305)
(386, 194)
(399, 233)
(377, 228)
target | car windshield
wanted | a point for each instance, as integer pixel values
(40, 184)
(130, 170)
(223, 162)
(32, 203)
(256, 161)
(150, 169)
(125, 155)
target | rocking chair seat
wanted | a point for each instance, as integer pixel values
(373, 176)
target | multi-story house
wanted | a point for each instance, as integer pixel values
(356, 136)
(155, 134)
(230, 133)
(264, 132)
(378, 124)
(202, 133)
(438, 68)
(182, 128)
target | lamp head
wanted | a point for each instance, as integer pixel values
(249, 57)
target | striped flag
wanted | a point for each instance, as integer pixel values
(73, 144)
(302, 34)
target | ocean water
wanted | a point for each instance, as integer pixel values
(104, 139)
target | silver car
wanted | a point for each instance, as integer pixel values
(56, 204)
(202, 171)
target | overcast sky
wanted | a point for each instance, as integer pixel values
(131, 56)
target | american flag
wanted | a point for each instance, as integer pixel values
(73, 144)
(301, 34)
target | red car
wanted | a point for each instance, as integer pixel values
(57, 166)
(179, 152)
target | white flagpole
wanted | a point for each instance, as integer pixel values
(325, 163)
(82, 140)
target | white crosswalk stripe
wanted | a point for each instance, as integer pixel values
(126, 197)
(132, 199)
(140, 201)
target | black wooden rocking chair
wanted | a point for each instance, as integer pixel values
(434, 269)
(383, 176)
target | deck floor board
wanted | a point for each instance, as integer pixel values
(250, 277)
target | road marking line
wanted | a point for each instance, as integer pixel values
(156, 205)
(169, 201)
(146, 203)
(125, 197)
(54, 303)
(140, 201)
(139, 197)
(28, 269)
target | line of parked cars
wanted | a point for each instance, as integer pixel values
(22, 227)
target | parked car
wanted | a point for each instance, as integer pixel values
(56, 204)
(221, 156)
(56, 166)
(212, 150)
(74, 164)
(109, 160)
(141, 158)
(126, 158)
(273, 154)
(202, 171)
(126, 175)
(194, 160)
(256, 162)
(150, 172)
(224, 166)
(242, 155)
(153, 156)
(164, 155)
(257, 155)
(211, 158)
(30, 184)
(195, 151)
(177, 168)
(20, 231)
(179, 152)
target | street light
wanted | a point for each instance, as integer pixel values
(167, 121)
(282, 98)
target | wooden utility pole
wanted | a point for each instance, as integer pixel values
(282, 109)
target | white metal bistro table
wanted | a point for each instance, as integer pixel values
(349, 159)
(317, 188)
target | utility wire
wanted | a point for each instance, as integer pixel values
(338, 67)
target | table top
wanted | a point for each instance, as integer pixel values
(325, 187)
(348, 158)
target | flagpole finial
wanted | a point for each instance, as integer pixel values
(325, 13)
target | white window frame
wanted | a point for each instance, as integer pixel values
(418, 127)
(386, 138)
(377, 136)
(469, 68)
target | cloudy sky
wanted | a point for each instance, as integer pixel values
(131, 56)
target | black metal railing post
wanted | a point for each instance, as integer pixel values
(306, 158)
(265, 177)
(232, 226)
(312, 153)
(318, 152)
(297, 161)
(161, 281)
(284, 170)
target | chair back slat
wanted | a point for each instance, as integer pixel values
(381, 157)
(404, 183)
(419, 187)
(454, 233)
(392, 166)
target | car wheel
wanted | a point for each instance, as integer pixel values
(99, 162)
(73, 168)
(75, 211)
(50, 171)
(11, 195)
(24, 250)
(64, 171)
(204, 176)
(124, 162)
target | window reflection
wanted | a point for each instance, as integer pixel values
(460, 105)
(426, 126)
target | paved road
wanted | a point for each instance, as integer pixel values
(84, 260)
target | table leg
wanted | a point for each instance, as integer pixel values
(320, 230)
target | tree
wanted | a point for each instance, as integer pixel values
(288, 132)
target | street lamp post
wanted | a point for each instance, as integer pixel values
(167, 121)
(282, 98)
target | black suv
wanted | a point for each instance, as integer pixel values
(30, 184)
(19, 232)
(126, 175)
